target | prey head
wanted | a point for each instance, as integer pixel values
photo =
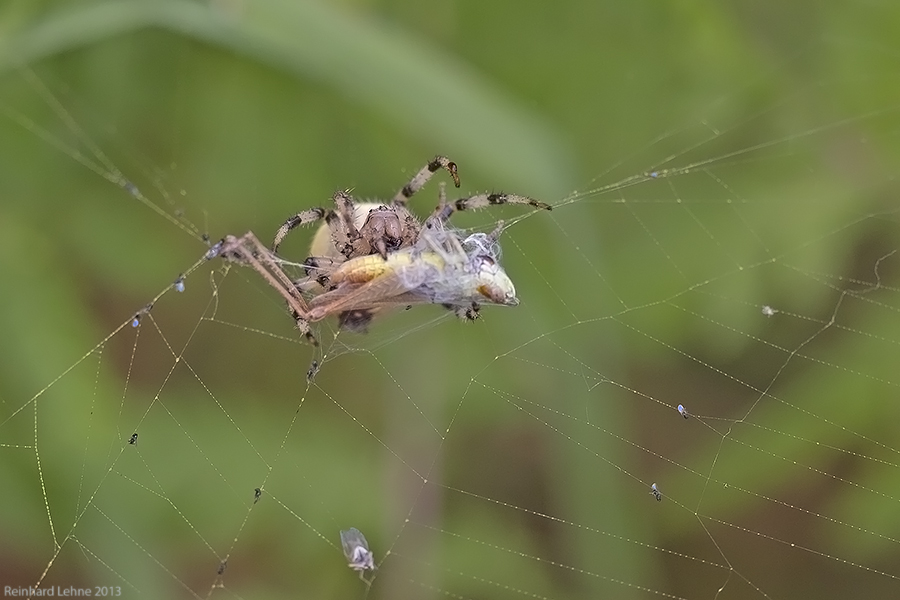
(492, 282)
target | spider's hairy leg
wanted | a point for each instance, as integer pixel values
(303, 218)
(346, 208)
(497, 232)
(422, 177)
(341, 224)
(248, 250)
(444, 210)
(466, 312)
(448, 247)
(318, 270)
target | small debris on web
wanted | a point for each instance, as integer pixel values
(655, 491)
(311, 372)
(682, 411)
(257, 493)
(214, 250)
(768, 311)
(131, 189)
(140, 314)
(133, 439)
(179, 283)
(356, 549)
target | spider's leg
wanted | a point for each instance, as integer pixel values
(318, 269)
(446, 246)
(437, 218)
(303, 218)
(249, 250)
(497, 232)
(422, 177)
(466, 312)
(346, 209)
(443, 212)
(302, 325)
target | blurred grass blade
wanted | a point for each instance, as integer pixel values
(425, 91)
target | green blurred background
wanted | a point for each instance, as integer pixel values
(538, 429)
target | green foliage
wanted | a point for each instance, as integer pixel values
(238, 114)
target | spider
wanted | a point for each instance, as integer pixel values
(441, 268)
(363, 229)
(353, 230)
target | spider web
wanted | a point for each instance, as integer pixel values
(740, 269)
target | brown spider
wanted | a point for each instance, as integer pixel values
(362, 229)
(353, 230)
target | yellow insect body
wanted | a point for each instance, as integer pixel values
(447, 271)
(367, 268)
